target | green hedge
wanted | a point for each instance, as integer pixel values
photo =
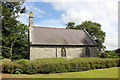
(58, 65)
(10, 67)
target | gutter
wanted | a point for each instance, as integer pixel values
(62, 45)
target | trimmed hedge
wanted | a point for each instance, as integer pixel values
(10, 67)
(58, 65)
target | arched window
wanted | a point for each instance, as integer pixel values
(63, 52)
(87, 52)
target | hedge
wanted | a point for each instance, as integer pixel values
(58, 65)
(10, 67)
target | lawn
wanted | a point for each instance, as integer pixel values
(98, 73)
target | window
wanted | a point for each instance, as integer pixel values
(63, 52)
(87, 52)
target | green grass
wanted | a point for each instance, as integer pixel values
(98, 73)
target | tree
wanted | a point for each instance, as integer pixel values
(93, 28)
(118, 52)
(71, 25)
(14, 33)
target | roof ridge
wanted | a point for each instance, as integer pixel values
(47, 27)
(52, 28)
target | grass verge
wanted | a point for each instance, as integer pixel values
(98, 73)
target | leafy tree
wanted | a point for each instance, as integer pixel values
(14, 33)
(118, 52)
(93, 28)
(71, 25)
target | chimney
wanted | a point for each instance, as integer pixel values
(30, 27)
(29, 32)
(31, 19)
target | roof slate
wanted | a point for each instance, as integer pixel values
(59, 36)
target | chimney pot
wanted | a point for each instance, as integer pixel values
(31, 19)
(31, 14)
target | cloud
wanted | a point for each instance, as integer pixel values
(103, 12)
(112, 41)
(30, 7)
(76, 16)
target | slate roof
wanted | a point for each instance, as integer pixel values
(59, 36)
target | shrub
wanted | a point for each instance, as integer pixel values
(18, 71)
(22, 61)
(58, 65)
(108, 54)
(10, 67)
(6, 60)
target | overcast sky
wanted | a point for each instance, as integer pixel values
(57, 13)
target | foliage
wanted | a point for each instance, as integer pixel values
(14, 33)
(1, 57)
(10, 67)
(18, 71)
(93, 28)
(109, 54)
(6, 60)
(43, 66)
(22, 61)
(118, 52)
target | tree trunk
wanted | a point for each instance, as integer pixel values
(11, 49)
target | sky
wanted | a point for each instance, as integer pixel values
(57, 13)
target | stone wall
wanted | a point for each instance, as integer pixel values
(71, 52)
(55, 51)
(93, 51)
(42, 52)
